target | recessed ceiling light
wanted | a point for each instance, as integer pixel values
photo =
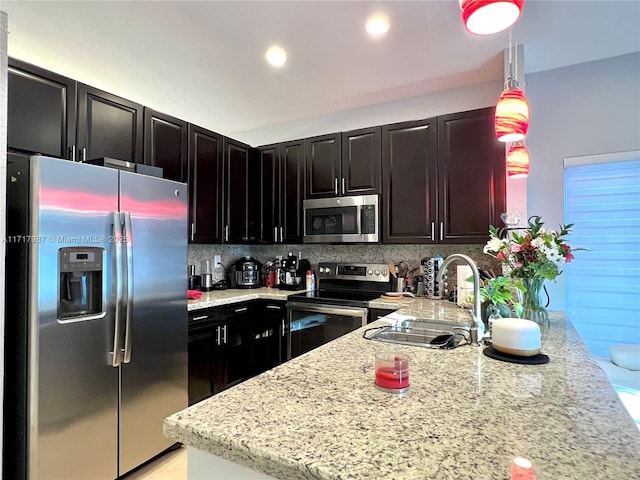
(377, 25)
(276, 56)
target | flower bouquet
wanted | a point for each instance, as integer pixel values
(531, 257)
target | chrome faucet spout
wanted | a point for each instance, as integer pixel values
(477, 330)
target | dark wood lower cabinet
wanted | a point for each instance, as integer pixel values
(230, 344)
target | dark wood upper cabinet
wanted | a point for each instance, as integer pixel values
(361, 162)
(166, 141)
(108, 126)
(241, 193)
(471, 176)
(281, 172)
(323, 166)
(41, 116)
(205, 185)
(409, 158)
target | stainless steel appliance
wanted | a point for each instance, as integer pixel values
(342, 220)
(293, 271)
(246, 272)
(96, 345)
(338, 306)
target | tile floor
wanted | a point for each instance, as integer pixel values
(170, 466)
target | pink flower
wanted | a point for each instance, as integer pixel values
(569, 257)
(515, 248)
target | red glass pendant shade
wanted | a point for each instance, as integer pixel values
(518, 161)
(484, 17)
(512, 116)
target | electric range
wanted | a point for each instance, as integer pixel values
(338, 306)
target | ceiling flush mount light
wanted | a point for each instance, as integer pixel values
(276, 56)
(518, 161)
(484, 17)
(377, 25)
(512, 110)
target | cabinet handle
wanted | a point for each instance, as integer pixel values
(275, 234)
(281, 234)
(433, 231)
(193, 231)
(241, 309)
(336, 185)
(226, 233)
(273, 307)
(441, 231)
(72, 153)
(344, 185)
(224, 334)
(201, 317)
(283, 328)
(83, 154)
(218, 335)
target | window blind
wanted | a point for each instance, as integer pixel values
(603, 284)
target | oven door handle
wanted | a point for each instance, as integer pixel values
(328, 309)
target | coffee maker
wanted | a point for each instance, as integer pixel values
(293, 271)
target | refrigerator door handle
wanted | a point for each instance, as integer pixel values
(129, 290)
(117, 234)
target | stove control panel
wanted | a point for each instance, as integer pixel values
(364, 272)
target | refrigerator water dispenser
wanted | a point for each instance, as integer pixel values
(80, 287)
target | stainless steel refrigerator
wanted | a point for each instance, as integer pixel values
(96, 318)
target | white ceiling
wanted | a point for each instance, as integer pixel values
(203, 61)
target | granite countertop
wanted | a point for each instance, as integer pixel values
(215, 298)
(466, 416)
(419, 306)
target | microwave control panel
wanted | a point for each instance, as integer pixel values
(368, 221)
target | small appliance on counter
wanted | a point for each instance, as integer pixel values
(293, 273)
(193, 279)
(206, 279)
(246, 272)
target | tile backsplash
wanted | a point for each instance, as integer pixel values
(411, 254)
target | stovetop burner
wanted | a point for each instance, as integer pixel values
(351, 298)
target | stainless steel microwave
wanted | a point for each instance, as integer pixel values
(342, 220)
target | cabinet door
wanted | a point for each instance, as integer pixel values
(234, 358)
(409, 182)
(205, 185)
(241, 192)
(108, 126)
(267, 327)
(471, 176)
(165, 144)
(361, 162)
(322, 166)
(291, 191)
(201, 344)
(41, 116)
(269, 193)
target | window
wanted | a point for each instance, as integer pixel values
(602, 197)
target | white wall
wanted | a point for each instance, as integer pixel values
(3, 172)
(584, 109)
(413, 108)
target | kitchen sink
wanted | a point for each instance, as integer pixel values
(422, 333)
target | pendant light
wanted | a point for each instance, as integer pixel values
(484, 17)
(518, 161)
(512, 109)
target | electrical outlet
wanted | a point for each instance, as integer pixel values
(216, 260)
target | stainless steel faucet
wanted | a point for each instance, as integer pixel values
(477, 329)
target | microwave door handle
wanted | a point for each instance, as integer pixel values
(129, 276)
(359, 219)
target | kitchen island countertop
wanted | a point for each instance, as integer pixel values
(466, 416)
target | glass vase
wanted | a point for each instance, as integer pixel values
(532, 308)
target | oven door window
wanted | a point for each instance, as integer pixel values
(332, 221)
(310, 330)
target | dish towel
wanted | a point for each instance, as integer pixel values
(193, 294)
